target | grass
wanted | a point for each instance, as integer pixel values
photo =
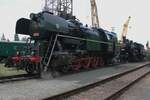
(9, 71)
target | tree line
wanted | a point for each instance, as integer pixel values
(16, 38)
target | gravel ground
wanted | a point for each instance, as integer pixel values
(39, 89)
(139, 91)
(103, 91)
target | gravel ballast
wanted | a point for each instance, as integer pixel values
(106, 90)
(39, 89)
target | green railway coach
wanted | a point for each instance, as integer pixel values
(10, 48)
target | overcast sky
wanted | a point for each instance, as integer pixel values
(112, 13)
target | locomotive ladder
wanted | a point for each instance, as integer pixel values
(47, 51)
(48, 55)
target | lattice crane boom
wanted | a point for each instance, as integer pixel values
(63, 8)
(125, 28)
(94, 14)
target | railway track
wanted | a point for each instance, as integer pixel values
(19, 77)
(107, 89)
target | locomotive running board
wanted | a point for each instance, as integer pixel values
(83, 39)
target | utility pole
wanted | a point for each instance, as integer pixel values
(62, 8)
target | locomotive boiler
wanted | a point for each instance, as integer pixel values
(62, 45)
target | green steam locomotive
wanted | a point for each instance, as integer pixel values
(62, 45)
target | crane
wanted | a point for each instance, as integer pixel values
(94, 14)
(62, 8)
(125, 28)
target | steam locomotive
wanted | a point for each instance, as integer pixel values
(61, 45)
(131, 51)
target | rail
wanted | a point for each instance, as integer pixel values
(19, 77)
(98, 83)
